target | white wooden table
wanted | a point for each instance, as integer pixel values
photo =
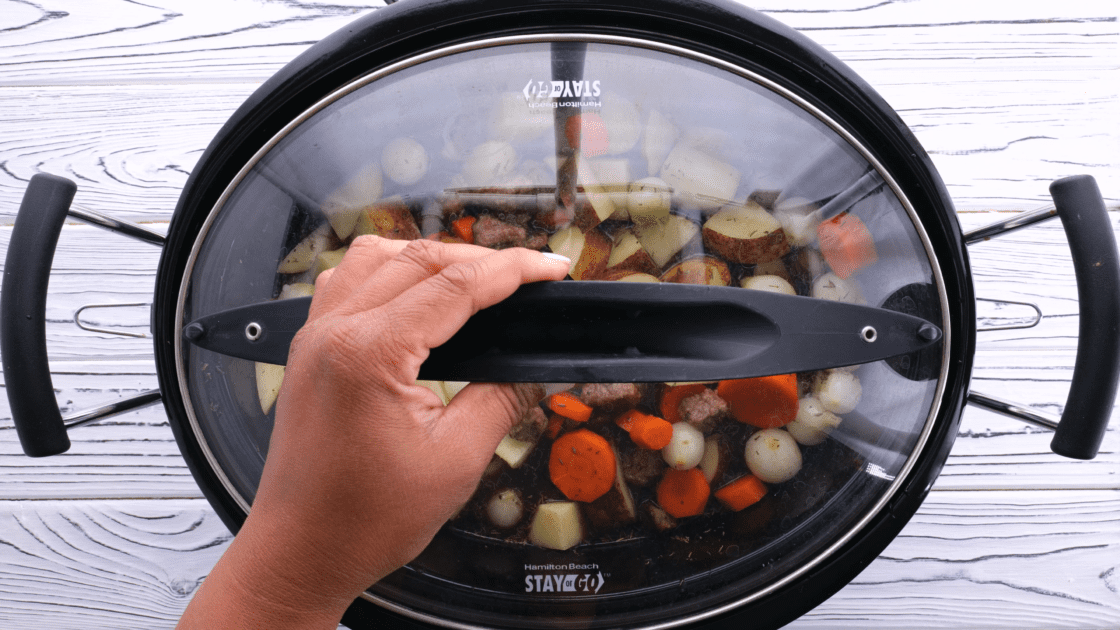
(123, 96)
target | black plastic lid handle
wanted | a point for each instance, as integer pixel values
(1096, 370)
(23, 306)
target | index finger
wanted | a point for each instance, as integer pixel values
(427, 314)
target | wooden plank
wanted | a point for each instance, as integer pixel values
(135, 455)
(129, 148)
(991, 560)
(64, 42)
(122, 564)
(1001, 110)
(967, 559)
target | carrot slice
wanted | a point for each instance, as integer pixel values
(463, 227)
(569, 405)
(846, 244)
(589, 133)
(683, 492)
(672, 397)
(582, 465)
(651, 432)
(555, 423)
(767, 402)
(445, 237)
(627, 419)
(743, 492)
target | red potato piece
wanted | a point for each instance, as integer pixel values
(692, 171)
(389, 218)
(664, 239)
(588, 251)
(625, 275)
(627, 255)
(745, 234)
(343, 206)
(700, 270)
(604, 183)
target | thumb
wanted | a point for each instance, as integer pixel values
(483, 413)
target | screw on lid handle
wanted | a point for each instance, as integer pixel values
(617, 332)
(1092, 243)
(23, 343)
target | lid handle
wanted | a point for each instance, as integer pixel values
(617, 332)
(1092, 242)
(23, 337)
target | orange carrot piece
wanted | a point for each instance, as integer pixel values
(445, 237)
(683, 492)
(672, 397)
(626, 420)
(846, 244)
(767, 402)
(589, 133)
(555, 423)
(651, 432)
(743, 492)
(569, 405)
(463, 227)
(582, 465)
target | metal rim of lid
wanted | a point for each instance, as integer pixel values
(632, 42)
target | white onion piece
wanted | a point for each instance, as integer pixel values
(832, 287)
(839, 391)
(776, 284)
(798, 221)
(773, 455)
(505, 509)
(404, 161)
(813, 422)
(551, 388)
(489, 163)
(685, 448)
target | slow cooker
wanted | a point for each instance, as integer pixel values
(768, 327)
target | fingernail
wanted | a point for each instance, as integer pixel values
(563, 259)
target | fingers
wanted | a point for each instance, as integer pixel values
(366, 255)
(414, 263)
(481, 414)
(427, 314)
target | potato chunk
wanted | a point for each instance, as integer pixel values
(557, 525)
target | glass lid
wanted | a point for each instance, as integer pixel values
(647, 166)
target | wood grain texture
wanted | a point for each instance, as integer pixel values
(1030, 559)
(1004, 99)
(124, 96)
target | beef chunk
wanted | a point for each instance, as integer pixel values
(611, 396)
(641, 466)
(490, 232)
(704, 410)
(531, 426)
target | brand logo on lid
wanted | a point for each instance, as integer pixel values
(565, 93)
(563, 578)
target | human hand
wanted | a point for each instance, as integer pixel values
(364, 465)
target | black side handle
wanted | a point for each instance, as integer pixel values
(1096, 370)
(23, 307)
